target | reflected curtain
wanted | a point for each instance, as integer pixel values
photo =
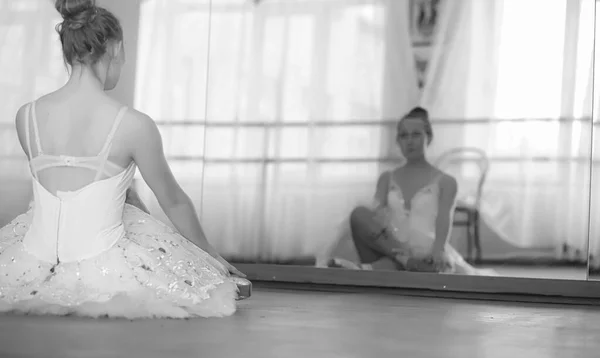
(594, 245)
(518, 74)
(275, 120)
(276, 116)
(30, 66)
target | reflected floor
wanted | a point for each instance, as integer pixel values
(279, 322)
(558, 272)
(550, 272)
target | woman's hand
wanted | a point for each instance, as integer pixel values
(439, 258)
(229, 268)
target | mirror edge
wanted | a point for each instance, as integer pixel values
(497, 285)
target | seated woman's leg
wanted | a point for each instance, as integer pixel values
(372, 243)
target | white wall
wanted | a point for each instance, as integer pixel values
(128, 13)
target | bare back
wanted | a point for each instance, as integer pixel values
(73, 128)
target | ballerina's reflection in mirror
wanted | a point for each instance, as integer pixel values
(410, 223)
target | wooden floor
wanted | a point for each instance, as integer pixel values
(286, 323)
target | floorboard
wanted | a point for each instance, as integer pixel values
(284, 322)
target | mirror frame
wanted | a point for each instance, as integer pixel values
(502, 288)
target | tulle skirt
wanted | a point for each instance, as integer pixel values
(151, 272)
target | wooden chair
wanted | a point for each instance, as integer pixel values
(467, 212)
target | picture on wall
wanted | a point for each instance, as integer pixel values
(424, 16)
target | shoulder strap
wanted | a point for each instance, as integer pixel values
(28, 117)
(105, 151)
(36, 131)
(113, 130)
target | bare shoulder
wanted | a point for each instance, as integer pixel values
(20, 120)
(138, 120)
(140, 127)
(447, 182)
(385, 176)
(21, 116)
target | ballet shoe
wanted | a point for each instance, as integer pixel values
(244, 287)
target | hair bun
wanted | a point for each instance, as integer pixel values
(76, 13)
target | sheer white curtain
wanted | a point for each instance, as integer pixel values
(288, 132)
(30, 66)
(519, 74)
(297, 100)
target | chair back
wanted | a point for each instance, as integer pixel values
(460, 158)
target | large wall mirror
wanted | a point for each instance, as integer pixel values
(308, 114)
(444, 137)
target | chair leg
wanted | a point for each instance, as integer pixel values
(469, 238)
(476, 229)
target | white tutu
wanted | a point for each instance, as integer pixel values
(152, 271)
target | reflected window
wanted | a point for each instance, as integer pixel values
(533, 62)
(278, 81)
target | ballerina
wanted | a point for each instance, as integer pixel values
(81, 249)
(411, 222)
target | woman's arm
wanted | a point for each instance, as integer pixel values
(381, 191)
(445, 216)
(147, 153)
